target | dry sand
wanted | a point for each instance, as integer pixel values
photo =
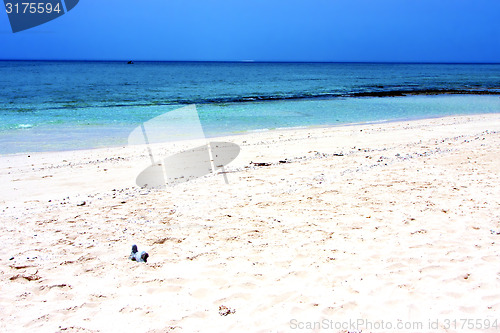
(372, 222)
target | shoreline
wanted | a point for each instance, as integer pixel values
(251, 132)
(388, 221)
(136, 156)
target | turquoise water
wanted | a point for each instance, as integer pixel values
(74, 105)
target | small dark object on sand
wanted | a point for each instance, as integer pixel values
(261, 164)
(136, 256)
(224, 310)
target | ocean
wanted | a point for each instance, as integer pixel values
(52, 106)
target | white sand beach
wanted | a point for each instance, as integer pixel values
(394, 222)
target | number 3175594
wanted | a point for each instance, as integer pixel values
(32, 8)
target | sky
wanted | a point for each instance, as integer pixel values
(264, 30)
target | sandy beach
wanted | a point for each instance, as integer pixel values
(392, 222)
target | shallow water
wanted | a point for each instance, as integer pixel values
(75, 105)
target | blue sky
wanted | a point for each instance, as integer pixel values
(265, 30)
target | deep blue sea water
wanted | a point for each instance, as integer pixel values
(74, 105)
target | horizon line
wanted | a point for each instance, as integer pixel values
(257, 61)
